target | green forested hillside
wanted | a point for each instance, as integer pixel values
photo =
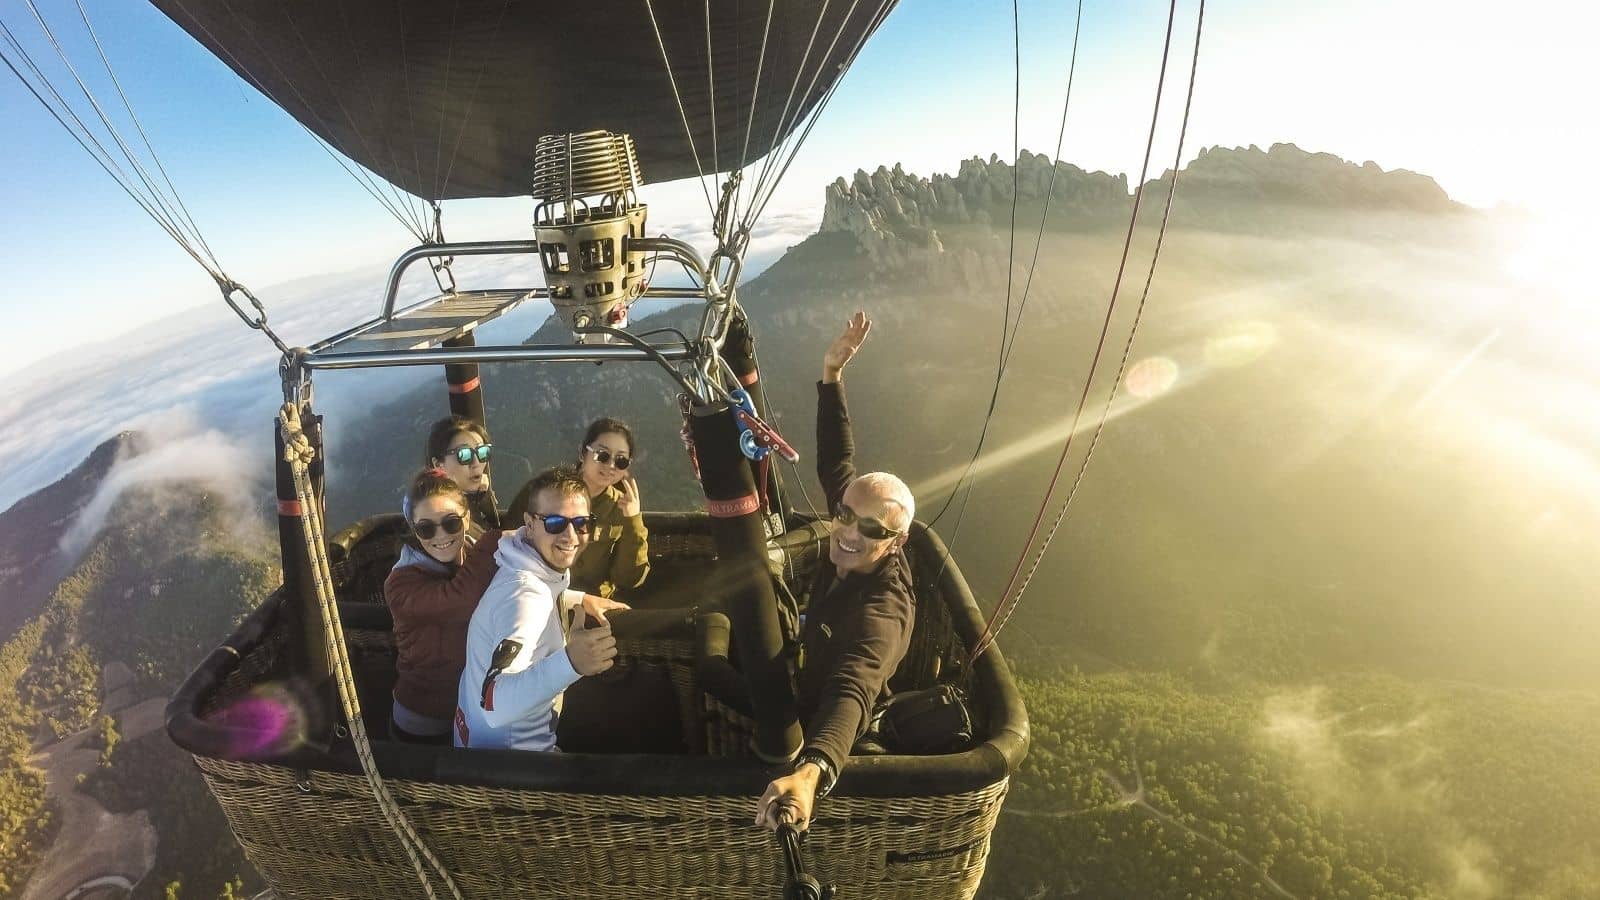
(169, 575)
(1154, 785)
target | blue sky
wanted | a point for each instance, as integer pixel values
(1484, 101)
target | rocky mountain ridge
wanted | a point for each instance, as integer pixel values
(896, 216)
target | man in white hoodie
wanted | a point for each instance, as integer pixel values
(523, 649)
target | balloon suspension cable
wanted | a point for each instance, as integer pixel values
(733, 237)
(160, 201)
(758, 204)
(296, 378)
(677, 97)
(1003, 611)
(299, 453)
(1022, 309)
(722, 223)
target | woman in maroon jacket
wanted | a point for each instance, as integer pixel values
(431, 593)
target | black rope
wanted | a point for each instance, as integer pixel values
(1050, 192)
(991, 630)
(1127, 349)
(1005, 320)
(1022, 307)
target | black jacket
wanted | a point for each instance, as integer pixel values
(856, 632)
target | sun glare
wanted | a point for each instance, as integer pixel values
(1547, 254)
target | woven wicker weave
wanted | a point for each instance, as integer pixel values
(316, 833)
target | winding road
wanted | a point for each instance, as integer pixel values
(1136, 797)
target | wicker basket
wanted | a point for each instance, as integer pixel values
(595, 825)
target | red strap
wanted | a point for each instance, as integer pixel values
(761, 480)
(290, 508)
(466, 387)
(750, 378)
(732, 509)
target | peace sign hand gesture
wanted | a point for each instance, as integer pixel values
(629, 503)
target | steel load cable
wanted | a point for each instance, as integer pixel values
(419, 225)
(449, 61)
(154, 203)
(102, 158)
(683, 114)
(992, 629)
(372, 97)
(711, 90)
(362, 177)
(472, 100)
(150, 199)
(145, 138)
(154, 193)
(799, 73)
(758, 207)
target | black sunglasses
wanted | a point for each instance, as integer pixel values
(558, 524)
(464, 454)
(871, 529)
(425, 529)
(606, 457)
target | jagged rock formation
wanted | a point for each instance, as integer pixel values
(1285, 175)
(896, 217)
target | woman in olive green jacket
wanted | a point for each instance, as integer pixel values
(616, 559)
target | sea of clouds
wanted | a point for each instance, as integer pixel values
(204, 385)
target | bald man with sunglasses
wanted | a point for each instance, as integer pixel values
(859, 618)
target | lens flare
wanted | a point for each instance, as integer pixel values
(1151, 377)
(267, 721)
(1240, 343)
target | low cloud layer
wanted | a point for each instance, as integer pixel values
(223, 376)
(1395, 780)
(181, 451)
